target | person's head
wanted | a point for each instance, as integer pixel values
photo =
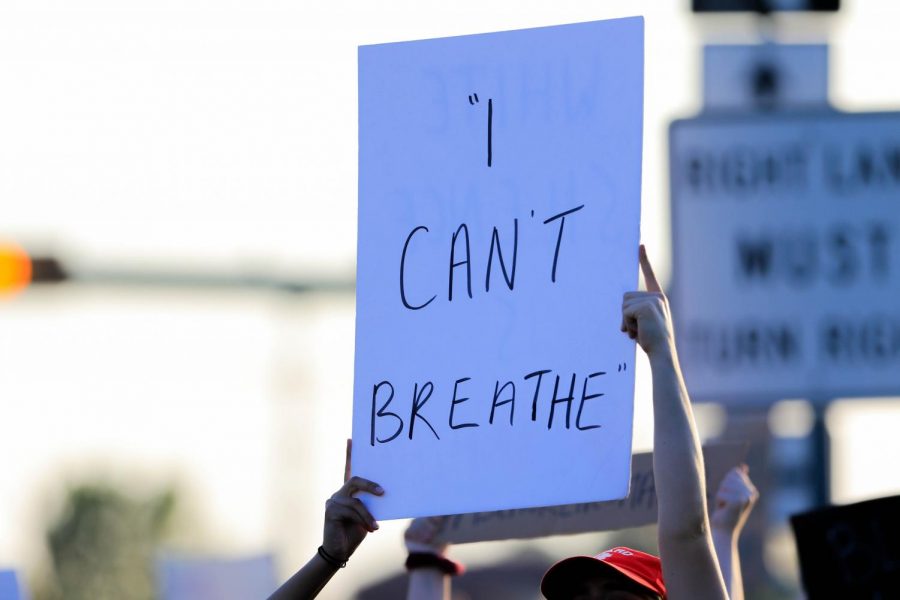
(617, 574)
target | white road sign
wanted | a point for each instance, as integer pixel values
(786, 239)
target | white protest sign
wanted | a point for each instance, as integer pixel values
(639, 508)
(499, 209)
(787, 255)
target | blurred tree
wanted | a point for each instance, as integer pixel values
(103, 543)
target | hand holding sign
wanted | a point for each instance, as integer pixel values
(347, 520)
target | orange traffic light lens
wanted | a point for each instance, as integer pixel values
(15, 268)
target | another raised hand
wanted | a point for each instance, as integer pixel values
(422, 536)
(429, 568)
(734, 500)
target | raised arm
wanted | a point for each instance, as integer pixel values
(734, 501)
(347, 521)
(689, 564)
(429, 568)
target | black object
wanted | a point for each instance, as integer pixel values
(47, 270)
(850, 551)
(765, 6)
(418, 560)
(766, 86)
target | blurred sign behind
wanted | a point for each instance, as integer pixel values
(638, 509)
(786, 255)
(764, 76)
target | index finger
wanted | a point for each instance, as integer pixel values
(358, 484)
(647, 270)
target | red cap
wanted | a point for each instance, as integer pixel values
(640, 567)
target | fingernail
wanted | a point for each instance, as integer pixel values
(379, 489)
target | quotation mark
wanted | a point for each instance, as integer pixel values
(490, 121)
(623, 367)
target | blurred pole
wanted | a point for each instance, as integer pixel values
(23, 269)
(821, 454)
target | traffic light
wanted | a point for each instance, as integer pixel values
(18, 270)
(15, 269)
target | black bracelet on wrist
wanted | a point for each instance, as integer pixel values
(334, 562)
(418, 560)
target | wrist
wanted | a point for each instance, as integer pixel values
(324, 564)
(329, 558)
(422, 548)
(664, 354)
